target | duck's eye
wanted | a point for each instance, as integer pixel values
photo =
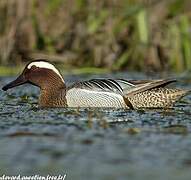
(33, 67)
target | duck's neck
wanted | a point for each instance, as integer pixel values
(53, 97)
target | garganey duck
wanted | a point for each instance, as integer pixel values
(115, 93)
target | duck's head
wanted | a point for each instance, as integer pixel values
(40, 73)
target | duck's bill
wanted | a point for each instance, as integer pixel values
(17, 82)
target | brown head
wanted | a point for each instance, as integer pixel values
(43, 74)
(40, 73)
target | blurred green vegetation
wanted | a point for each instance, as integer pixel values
(146, 35)
(13, 71)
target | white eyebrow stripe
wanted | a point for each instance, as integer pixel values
(42, 64)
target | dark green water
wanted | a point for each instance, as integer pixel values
(93, 143)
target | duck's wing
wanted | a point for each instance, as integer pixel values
(106, 85)
(143, 85)
(121, 86)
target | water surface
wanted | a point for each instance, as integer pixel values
(93, 143)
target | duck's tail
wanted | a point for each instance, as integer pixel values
(179, 93)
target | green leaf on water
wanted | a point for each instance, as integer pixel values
(132, 131)
(176, 129)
